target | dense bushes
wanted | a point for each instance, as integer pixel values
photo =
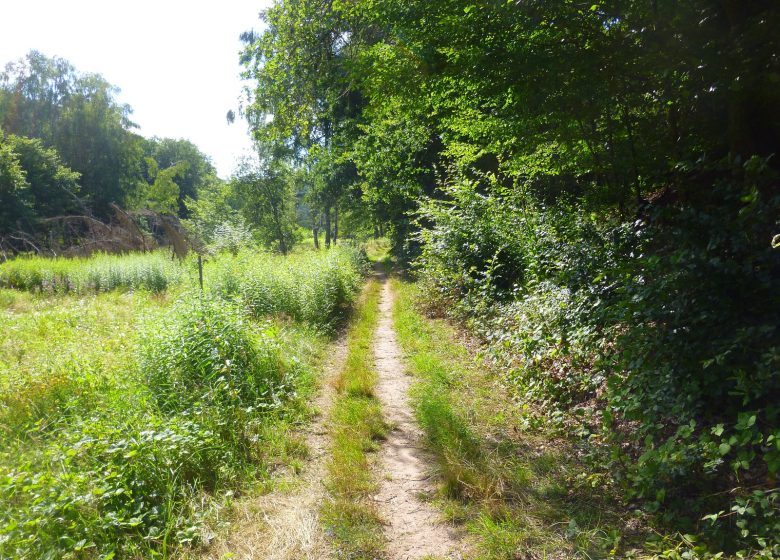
(655, 338)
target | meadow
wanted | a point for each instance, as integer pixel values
(134, 406)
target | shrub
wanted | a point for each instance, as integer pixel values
(204, 352)
(660, 334)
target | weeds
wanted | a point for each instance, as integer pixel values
(315, 287)
(154, 272)
(517, 493)
(120, 445)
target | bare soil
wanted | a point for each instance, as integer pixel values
(284, 524)
(414, 528)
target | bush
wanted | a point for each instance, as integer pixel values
(657, 335)
(204, 352)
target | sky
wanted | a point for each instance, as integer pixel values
(175, 61)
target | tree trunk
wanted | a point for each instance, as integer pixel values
(632, 147)
(315, 231)
(335, 225)
(327, 228)
(280, 231)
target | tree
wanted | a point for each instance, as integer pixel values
(196, 169)
(306, 103)
(217, 206)
(265, 188)
(34, 185)
(15, 197)
(162, 194)
(78, 115)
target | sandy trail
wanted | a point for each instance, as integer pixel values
(414, 528)
(285, 525)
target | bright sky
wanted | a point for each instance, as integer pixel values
(176, 61)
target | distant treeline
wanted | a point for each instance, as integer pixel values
(67, 147)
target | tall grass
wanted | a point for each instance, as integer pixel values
(102, 272)
(311, 286)
(126, 417)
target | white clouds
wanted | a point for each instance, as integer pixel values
(176, 62)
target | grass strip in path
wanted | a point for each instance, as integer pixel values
(349, 515)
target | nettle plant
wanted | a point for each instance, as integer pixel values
(204, 353)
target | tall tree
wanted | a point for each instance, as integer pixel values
(265, 188)
(306, 102)
(79, 116)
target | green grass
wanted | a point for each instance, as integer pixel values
(155, 272)
(378, 250)
(312, 286)
(64, 356)
(128, 417)
(517, 491)
(357, 425)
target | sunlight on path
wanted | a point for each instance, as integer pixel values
(414, 528)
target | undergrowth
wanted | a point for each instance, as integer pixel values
(520, 493)
(653, 340)
(127, 419)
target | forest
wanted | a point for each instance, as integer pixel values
(572, 213)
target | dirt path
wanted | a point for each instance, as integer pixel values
(414, 528)
(284, 525)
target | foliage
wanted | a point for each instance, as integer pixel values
(268, 201)
(307, 286)
(597, 190)
(99, 273)
(203, 352)
(592, 318)
(215, 217)
(34, 184)
(117, 445)
(76, 114)
(162, 194)
(231, 237)
(195, 171)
